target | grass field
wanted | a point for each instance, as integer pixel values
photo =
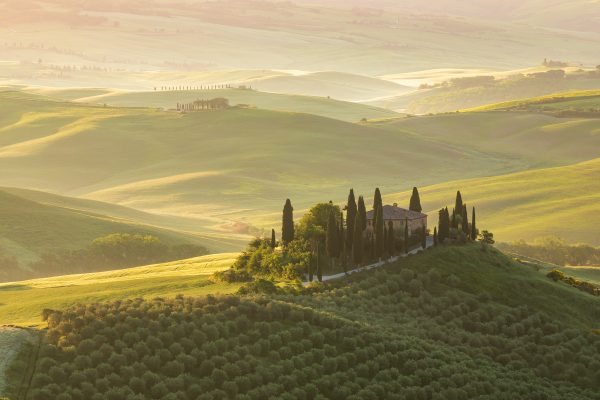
(11, 340)
(571, 100)
(21, 303)
(30, 226)
(225, 167)
(322, 106)
(561, 201)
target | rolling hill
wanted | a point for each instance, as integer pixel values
(485, 325)
(225, 167)
(582, 101)
(321, 106)
(561, 201)
(21, 303)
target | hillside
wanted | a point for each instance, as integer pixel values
(575, 101)
(226, 168)
(469, 90)
(562, 201)
(457, 322)
(21, 303)
(277, 35)
(321, 106)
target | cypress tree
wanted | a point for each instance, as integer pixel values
(273, 241)
(342, 243)
(331, 239)
(446, 223)
(465, 220)
(435, 236)
(391, 239)
(459, 203)
(377, 202)
(441, 219)
(473, 227)
(351, 210)
(423, 238)
(362, 211)
(379, 233)
(386, 248)
(357, 241)
(310, 271)
(287, 228)
(406, 236)
(415, 201)
(319, 271)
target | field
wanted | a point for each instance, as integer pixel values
(463, 315)
(582, 100)
(21, 303)
(528, 205)
(322, 106)
(73, 224)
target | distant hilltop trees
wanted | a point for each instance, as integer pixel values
(181, 88)
(218, 103)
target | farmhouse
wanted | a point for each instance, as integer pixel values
(399, 217)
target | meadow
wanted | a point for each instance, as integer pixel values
(21, 303)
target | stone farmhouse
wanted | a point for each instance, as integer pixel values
(399, 217)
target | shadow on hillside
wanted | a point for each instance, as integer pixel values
(16, 286)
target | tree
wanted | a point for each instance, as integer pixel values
(342, 243)
(443, 225)
(423, 237)
(362, 211)
(435, 236)
(391, 239)
(457, 208)
(465, 220)
(319, 270)
(357, 241)
(406, 236)
(273, 241)
(415, 201)
(379, 233)
(486, 238)
(473, 226)
(377, 202)
(287, 228)
(332, 240)
(351, 211)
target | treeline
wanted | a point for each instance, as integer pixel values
(557, 275)
(218, 103)
(196, 87)
(115, 251)
(330, 240)
(555, 250)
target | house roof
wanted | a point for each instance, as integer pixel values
(395, 212)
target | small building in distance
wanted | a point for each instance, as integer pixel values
(399, 217)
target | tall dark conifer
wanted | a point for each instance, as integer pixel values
(357, 242)
(351, 210)
(391, 239)
(362, 211)
(465, 220)
(273, 240)
(331, 239)
(458, 206)
(415, 201)
(406, 236)
(435, 236)
(423, 237)
(379, 233)
(377, 202)
(341, 237)
(287, 228)
(473, 226)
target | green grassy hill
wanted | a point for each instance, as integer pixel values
(39, 223)
(562, 201)
(449, 323)
(322, 106)
(21, 303)
(583, 100)
(227, 167)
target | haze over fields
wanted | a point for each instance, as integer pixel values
(299, 199)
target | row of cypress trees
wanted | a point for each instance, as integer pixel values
(458, 220)
(348, 240)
